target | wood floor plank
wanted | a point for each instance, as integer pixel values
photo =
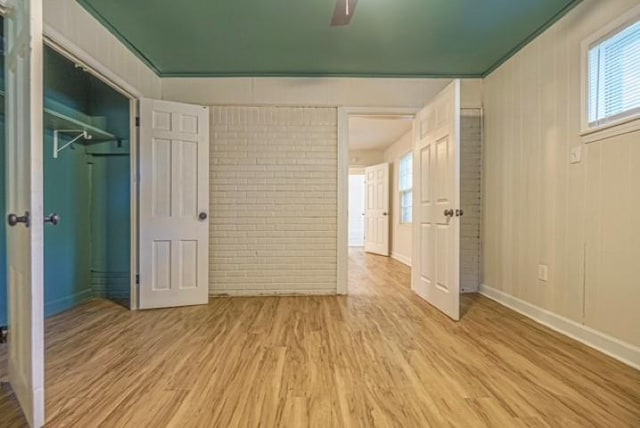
(380, 357)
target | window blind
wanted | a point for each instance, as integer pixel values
(406, 172)
(614, 77)
(405, 186)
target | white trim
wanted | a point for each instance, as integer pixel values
(342, 261)
(610, 130)
(134, 266)
(402, 259)
(614, 127)
(602, 342)
(260, 293)
(73, 52)
(342, 253)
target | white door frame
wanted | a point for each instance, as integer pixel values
(343, 180)
(74, 53)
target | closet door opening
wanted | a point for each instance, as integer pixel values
(87, 183)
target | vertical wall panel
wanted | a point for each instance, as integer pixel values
(539, 208)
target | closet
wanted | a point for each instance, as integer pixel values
(87, 182)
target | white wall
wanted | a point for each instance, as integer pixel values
(365, 158)
(400, 233)
(273, 200)
(303, 91)
(356, 209)
(68, 23)
(579, 219)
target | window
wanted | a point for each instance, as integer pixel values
(614, 77)
(405, 187)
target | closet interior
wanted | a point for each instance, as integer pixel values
(87, 182)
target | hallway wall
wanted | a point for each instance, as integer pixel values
(356, 209)
(401, 234)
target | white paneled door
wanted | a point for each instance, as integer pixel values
(24, 193)
(377, 209)
(174, 204)
(436, 215)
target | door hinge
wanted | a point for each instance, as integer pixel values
(137, 279)
(4, 332)
(138, 121)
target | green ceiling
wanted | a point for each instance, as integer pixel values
(293, 37)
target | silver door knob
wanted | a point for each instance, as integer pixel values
(202, 216)
(448, 213)
(52, 218)
(13, 219)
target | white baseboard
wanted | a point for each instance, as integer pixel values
(604, 343)
(267, 293)
(402, 259)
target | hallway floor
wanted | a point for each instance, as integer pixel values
(380, 357)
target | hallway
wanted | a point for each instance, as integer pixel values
(379, 357)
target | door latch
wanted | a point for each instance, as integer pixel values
(13, 219)
(459, 213)
(52, 218)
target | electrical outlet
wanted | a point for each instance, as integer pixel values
(543, 272)
(576, 154)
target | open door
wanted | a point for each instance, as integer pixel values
(174, 204)
(376, 204)
(24, 193)
(436, 221)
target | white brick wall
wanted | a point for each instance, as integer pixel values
(470, 198)
(273, 200)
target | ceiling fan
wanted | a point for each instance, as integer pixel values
(343, 12)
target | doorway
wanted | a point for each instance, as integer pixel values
(371, 143)
(87, 175)
(87, 189)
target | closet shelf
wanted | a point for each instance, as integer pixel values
(78, 131)
(67, 122)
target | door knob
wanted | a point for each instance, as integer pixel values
(385, 214)
(448, 213)
(202, 216)
(52, 218)
(13, 219)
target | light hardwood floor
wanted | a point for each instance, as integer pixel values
(380, 357)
